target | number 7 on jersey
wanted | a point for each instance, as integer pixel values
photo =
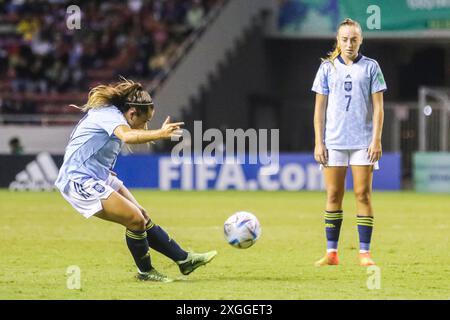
(349, 97)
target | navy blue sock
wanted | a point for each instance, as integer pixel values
(138, 246)
(159, 240)
(333, 222)
(365, 228)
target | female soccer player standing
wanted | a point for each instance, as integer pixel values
(348, 122)
(118, 114)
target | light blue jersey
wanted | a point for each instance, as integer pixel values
(349, 88)
(93, 148)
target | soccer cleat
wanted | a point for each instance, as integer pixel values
(330, 259)
(365, 260)
(195, 260)
(153, 275)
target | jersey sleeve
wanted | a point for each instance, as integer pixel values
(377, 82)
(320, 84)
(110, 118)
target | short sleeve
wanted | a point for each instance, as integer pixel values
(110, 118)
(377, 82)
(320, 84)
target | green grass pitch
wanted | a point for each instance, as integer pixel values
(41, 236)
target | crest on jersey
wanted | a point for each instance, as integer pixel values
(99, 188)
(348, 86)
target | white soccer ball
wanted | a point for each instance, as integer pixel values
(242, 230)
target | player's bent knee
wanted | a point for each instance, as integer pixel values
(136, 223)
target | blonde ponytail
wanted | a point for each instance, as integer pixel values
(124, 94)
(332, 54)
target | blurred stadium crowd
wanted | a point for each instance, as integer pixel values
(43, 62)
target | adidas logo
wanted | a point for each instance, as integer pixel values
(39, 175)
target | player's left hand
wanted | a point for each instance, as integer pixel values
(375, 151)
(169, 130)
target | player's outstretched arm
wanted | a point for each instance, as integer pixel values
(137, 136)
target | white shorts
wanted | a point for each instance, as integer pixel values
(85, 198)
(344, 158)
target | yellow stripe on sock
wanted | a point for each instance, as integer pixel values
(136, 236)
(133, 237)
(334, 215)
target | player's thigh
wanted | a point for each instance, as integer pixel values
(362, 179)
(335, 179)
(121, 210)
(127, 194)
(117, 184)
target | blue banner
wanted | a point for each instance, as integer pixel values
(297, 171)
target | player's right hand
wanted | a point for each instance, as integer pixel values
(169, 130)
(321, 154)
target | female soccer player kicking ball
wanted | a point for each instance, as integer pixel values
(348, 130)
(118, 114)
